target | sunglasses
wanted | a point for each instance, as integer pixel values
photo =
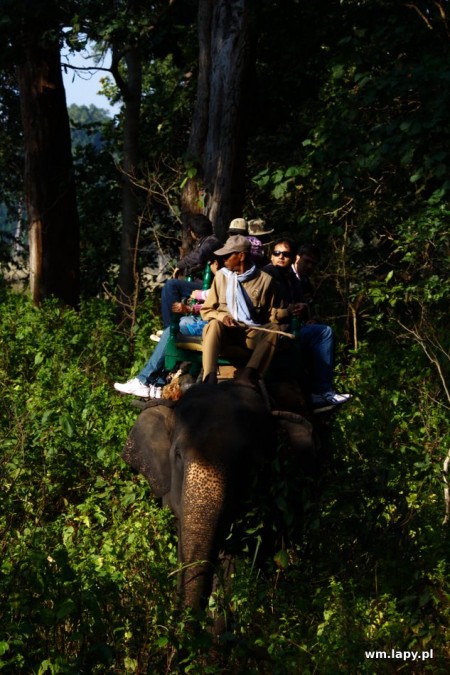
(285, 254)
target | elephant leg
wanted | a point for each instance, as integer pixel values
(202, 509)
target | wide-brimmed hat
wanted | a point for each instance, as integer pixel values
(235, 244)
(257, 227)
(238, 226)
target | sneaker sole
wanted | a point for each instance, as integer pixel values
(325, 408)
(330, 406)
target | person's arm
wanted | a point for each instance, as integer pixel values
(212, 307)
(281, 309)
(275, 313)
(267, 308)
(190, 261)
(197, 258)
(200, 295)
(181, 308)
(308, 293)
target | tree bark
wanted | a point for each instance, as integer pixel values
(131, 92)
(48, 175)
(217, 145)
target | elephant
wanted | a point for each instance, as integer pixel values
(199, 455)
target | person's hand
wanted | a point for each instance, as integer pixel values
(176, 273)
(197, 295)
(229, 322)
(299, 308)
(180, 308)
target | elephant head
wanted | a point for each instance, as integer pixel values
(198, 456)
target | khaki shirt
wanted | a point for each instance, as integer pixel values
(261, 290)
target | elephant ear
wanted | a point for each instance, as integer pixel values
(148, 445)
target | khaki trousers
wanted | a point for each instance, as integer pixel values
(217, 337)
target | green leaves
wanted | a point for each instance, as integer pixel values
(82, 538)
(67, 425)
(88, 554)
(281, 559)
(280, 181)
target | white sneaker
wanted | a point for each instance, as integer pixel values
(159, 333)
(341, 398)
(134, 387)
(155, 338)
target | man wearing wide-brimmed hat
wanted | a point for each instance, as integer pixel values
(252, 230)
(257, 228)
(242, 299)
(238, 226)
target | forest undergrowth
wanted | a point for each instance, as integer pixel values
(88, 555)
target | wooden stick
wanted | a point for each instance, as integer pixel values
(266, 330)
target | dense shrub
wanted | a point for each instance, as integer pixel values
(87, 554)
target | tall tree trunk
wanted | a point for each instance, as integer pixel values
(217, 144)
(48, 175)
(131, 92)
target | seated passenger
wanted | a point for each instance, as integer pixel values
(193, 264)
(316, 339)
(252, 230)
(241, 299)
(306, 261)
(144, 384)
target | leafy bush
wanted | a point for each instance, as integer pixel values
(79, 533)
(358, 559)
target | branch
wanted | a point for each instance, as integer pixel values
(442, 14)
(435, 361)
(117, 55)
(431, 357)
(445, 468)
(347, 207)
(86, 68)
(421, 14)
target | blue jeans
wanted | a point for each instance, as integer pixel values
(174, 290)
(156, 361)
(317, 343)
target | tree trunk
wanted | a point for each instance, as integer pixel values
(217, 145)
(131, 91)
(48, 175)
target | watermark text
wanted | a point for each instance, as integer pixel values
(400, 655)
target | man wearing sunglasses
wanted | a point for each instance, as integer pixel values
(316, 339)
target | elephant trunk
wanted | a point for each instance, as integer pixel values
(204, 500)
